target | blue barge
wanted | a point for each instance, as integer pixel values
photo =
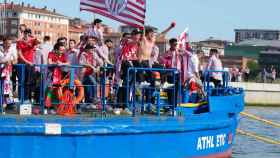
(187, 133)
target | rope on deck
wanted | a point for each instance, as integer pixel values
(258, 137)
(254, 117)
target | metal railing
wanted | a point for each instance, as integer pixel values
(105, 87)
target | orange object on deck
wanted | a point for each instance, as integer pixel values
(67, 97)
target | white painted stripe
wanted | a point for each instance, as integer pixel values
(94, 4)
(134, 15)
(119, 17)
(138, 4)
(136, 10)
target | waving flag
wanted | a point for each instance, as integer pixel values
(183, 42)
(130, 12)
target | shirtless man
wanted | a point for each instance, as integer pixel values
(147, 45)
(148, 42)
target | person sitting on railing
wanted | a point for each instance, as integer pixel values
(215, 64)
(8, 56)
(91, 62)
(59, 58)
(26, 50)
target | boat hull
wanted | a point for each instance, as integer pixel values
(179, 137)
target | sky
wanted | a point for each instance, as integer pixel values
(204, 18)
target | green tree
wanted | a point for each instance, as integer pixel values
(254, 69)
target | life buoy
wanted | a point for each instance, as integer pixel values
(79, 87)
(68, 99)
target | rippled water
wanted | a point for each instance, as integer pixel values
(246, 147)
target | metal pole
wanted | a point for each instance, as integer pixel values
(5, 17)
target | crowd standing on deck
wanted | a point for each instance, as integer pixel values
(136, 49)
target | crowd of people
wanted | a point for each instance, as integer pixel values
(238, 74)
(136, 49)
(268, 74)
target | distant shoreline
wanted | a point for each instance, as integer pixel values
(262, 105)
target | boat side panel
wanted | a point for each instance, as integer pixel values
(149, 145)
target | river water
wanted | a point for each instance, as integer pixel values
(246, 147)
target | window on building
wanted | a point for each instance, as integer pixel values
(14, 31)
(14, 22)
(15, 14)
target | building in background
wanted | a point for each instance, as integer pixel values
(249, 34)
(77, 28)
(41, 21)
(75, 32)
(211, 43)
(251, 48)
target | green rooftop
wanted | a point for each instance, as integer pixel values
(245, 51)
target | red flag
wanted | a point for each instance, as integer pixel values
(130, 12)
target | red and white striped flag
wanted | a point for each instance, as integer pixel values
(130, 12)
(183, 42)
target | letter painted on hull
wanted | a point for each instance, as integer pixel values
(210, 142)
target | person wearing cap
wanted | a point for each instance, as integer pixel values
(26, 48)
(96, 31)
(215, 64)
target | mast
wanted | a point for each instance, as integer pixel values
(4, 17)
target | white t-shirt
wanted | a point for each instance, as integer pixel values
(215, 64)
(9, 56)
(45, 48)
(193, 65)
